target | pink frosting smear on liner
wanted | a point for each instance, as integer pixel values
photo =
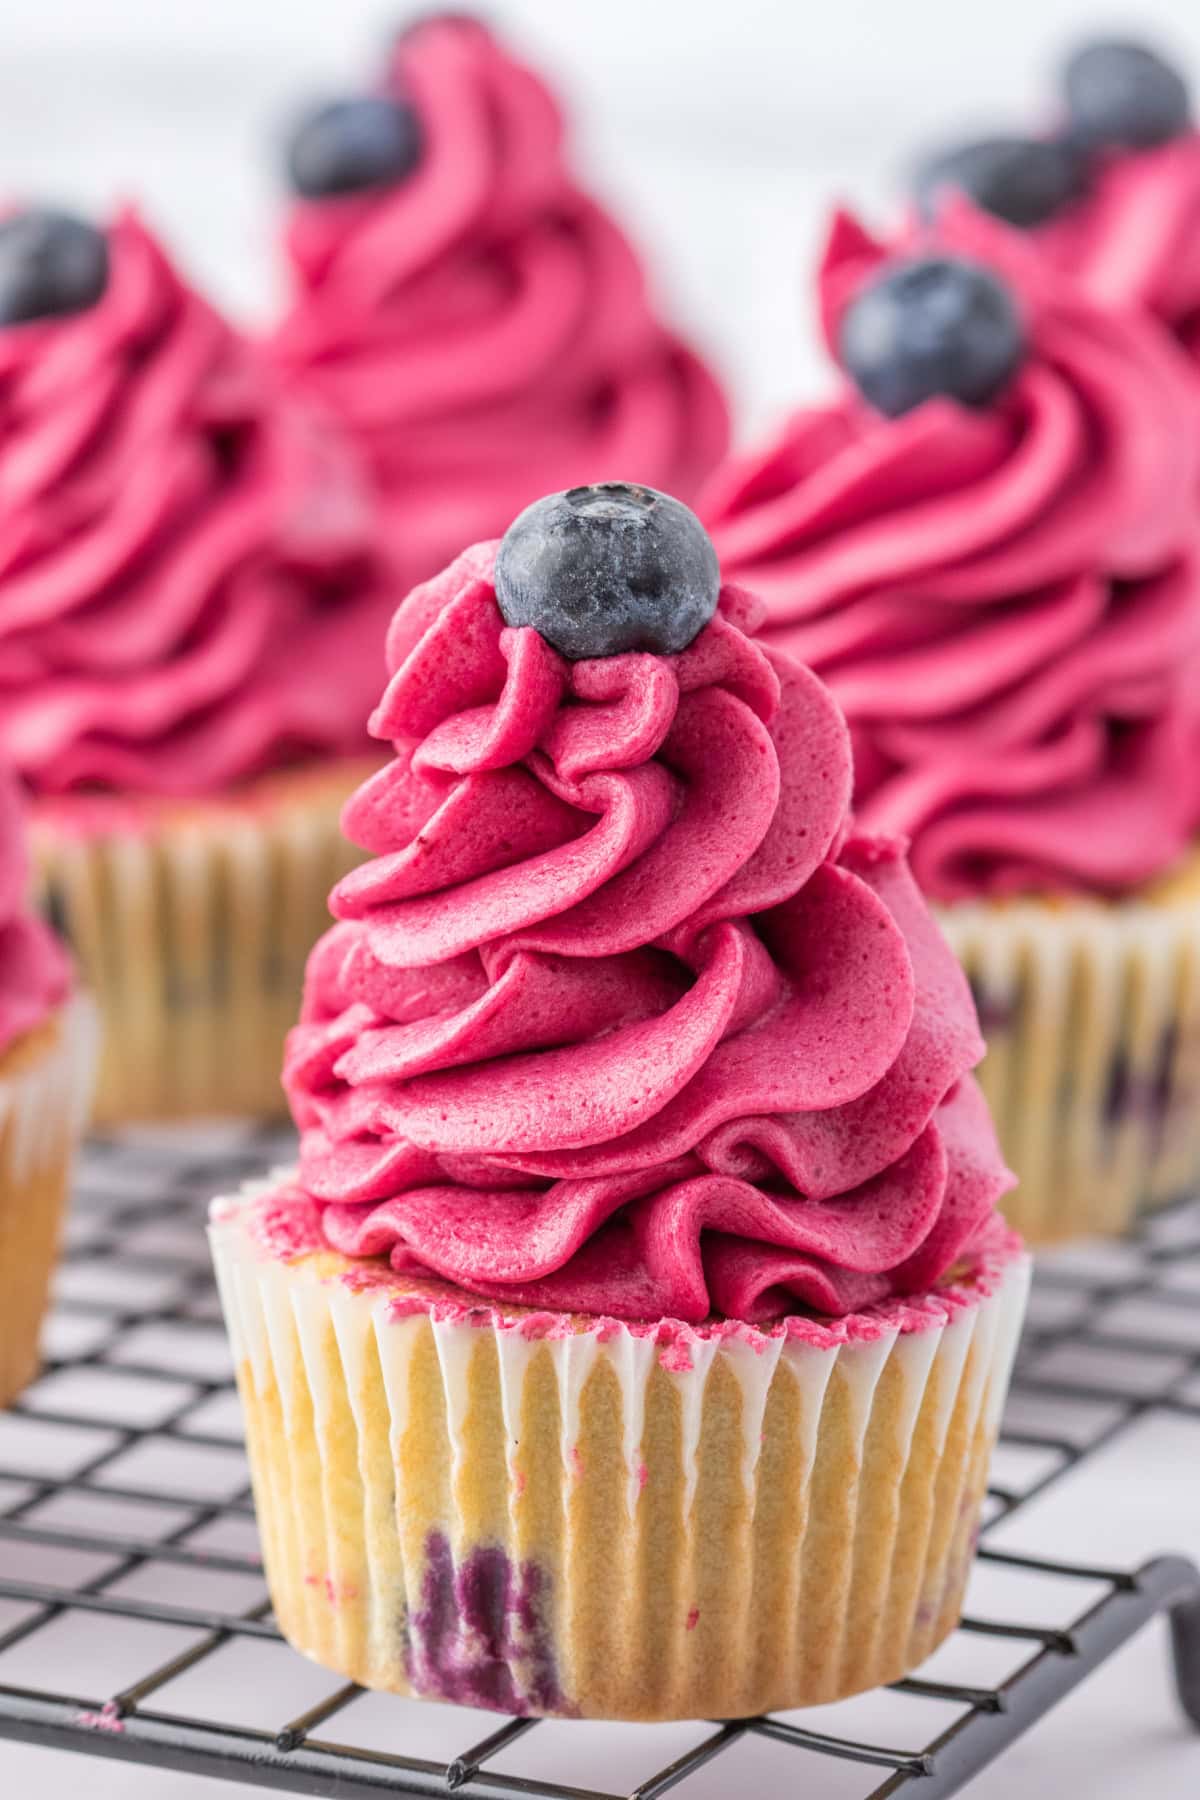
(35, 971)
(1006, 600)
(483, 327)
(624, 1018)
(192, 586)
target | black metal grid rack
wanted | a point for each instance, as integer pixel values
(129, 1568)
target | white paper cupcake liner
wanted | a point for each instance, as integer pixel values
(45, 1089)
(586, 1523)
(1091, 1013)
(192, 925)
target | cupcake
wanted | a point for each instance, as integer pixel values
(192, 612)
(1113, 195)
(47, 1054)
(986, 544)
(630, 1340)
(477, 320)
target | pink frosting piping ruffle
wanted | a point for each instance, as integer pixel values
(621, 1018)
(484, 327)
(190, 586)
(1006, 601)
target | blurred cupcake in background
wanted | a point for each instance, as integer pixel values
(192, 611)
(1112, 193)
(986, 544)
(478, 321)
(632, 1337)
(47, 1061)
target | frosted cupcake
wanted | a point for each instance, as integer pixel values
(1112, 196)
(479, 322)
(192, 613)
(631, 1339)
(986, 544)
(47, 1055)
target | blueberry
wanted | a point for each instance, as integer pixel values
(605, 569)
(1122, 95)
(934, 325)
(50, 264)
(348, 145)
(1024, 181)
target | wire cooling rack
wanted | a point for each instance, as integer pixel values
(134, 1622)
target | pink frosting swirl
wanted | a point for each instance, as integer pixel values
(622, 1018)
(1134, 241)
(35, 973)
(183, 556)
(484, 327)
(1005, 601)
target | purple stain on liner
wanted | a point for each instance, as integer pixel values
(480, 1636)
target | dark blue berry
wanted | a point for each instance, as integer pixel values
(605, 569)
(932, 326)
(50, 264)
(1024, 181)
(1121, 95)
(349, 145)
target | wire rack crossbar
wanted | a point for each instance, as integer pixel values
(137, 1225)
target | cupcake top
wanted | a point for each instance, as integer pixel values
(1112, 192)
(623, 1017)
(35, 973)
(184, 558)
(480, 322)
(986, 543)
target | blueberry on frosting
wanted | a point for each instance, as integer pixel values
(346, 146)
(51, 263)
(1122, 95)
(930, 327)
(606, 569)
(1023, 180)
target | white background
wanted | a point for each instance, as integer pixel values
(722, 129)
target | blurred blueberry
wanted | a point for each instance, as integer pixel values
(51, 263)
(345, 146)
(931, 326)
(1121, 94)
(1023, 181)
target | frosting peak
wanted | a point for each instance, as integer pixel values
(483, 326)
(183, 555)
(1006, 600)
(622, 1018)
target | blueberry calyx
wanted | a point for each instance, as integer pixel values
(929, 327)
(51, 264)
(347, 146)
(1122, 95)
(603, 570)
(1023, 181)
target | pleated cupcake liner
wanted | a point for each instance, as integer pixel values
(559, 1516)
(46, 1083)
(1091, 1012)
(191, 924)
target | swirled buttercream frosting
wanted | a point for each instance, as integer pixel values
(191, 585)
(623, 1016)
(481, 324)
(1004, 598)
